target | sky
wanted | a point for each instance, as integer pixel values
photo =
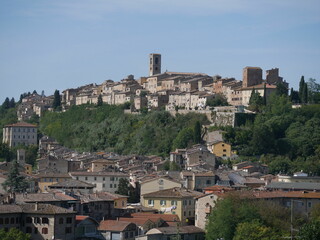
(59, 44)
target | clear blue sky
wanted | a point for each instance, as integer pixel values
(60, 44)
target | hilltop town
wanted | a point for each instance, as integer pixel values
(245, 142)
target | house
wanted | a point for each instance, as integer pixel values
(165, 233)
(41, 221)
(87, 228)
(220, 149)
(102, 165)
(103, 181)
(294, 186)
(203, 206)
(73, 185)
(119, 230)
(178, 201)
(20, 134)
(197, 180)
(159, 183)
(101, 205)
(45, 179)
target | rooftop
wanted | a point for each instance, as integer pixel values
(21, 124)
(173, 193)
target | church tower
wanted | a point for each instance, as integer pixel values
(155, 64)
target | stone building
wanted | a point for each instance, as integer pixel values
(251, 76)
(41, 221)
(20, 134)
(155, 64)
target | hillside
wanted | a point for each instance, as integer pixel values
(93, 128)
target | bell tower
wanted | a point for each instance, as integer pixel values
(155, 64)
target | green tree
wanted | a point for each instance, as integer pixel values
(5, 152)
(123, 187)
(255, 102)
(197, 132)
(100, 101)
(183, 139)
(305, 93)
(301, 87)
(254, 230)
(314, 91)
(12, 103)
(6, 103)
(218, 100)
(13, 234)
(310, 230)
(281, 89)
(57, 100)
(15, 182)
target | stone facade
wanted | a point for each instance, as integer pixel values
(20, 134)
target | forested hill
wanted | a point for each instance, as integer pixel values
(106, 127)
(285, 138)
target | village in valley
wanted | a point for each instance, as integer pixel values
(70, 194)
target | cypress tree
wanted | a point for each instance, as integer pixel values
(197, 132)
(301, 86)
(15, 182)
(56, 101)
(264, 94)
(6, 103)
(100, 101)
(305, 93)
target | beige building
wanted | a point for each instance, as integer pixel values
(47, 179)
(20, 134)
(103, 181)
(178, 201)
(204, 205)
(155, 184)
(220, 149)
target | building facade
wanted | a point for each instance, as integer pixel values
(20, 134)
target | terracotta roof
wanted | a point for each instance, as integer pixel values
(113, 225)
(21, 124)
(173, 230)
(99, 196)
(137, 221)
(173, 193)
(165, 217)
(81, 217)
(291, 194)
(118, 174)
(156, 178)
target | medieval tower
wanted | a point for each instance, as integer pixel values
(155, 64)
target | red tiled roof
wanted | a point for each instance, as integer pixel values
(21, 124)
(165, 217)
(81, 217)
(114, 225)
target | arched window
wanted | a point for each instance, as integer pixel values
(61, 220)
(44, 230)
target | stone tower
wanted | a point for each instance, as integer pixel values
(155, 64)
(251, 76)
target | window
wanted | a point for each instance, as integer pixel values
(103, 185)
(174, 203)
(189, 213)
(190, 202)
(69, 220)
(1, 220)
(37, 220)
(44, 231)
(112, 179)
(208, 182)
(45, 220)
(122, 203)
(28, 230)
(61, 220)
(77, 178)
(309, 204)
(150, 202)
(111, 185)
(115, 185)
(184, 213)
(12, 221)
(28, 220)
(86, 178)
(224, 150)
(103, 178)
(68, 229)
(163, 202)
